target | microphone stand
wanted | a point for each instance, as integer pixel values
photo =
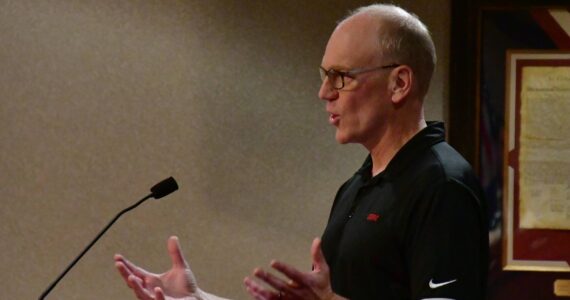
(48, 290)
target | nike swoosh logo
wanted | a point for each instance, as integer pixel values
(434, 285)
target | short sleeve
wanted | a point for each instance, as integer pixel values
(446, 249)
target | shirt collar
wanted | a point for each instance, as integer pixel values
(432, 134)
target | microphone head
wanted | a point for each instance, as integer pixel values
(164, 188)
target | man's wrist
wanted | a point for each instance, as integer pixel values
(203, 295)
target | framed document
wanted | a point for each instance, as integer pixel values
(536, 199)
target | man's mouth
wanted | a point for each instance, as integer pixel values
(334, 119)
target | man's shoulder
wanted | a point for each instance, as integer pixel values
(444, 169)
(443, 162)
(439, 166)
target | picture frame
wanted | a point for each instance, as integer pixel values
(536, 198)
(481, 33)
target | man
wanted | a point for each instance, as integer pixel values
(410, 224)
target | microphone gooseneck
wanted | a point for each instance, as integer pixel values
(158, 191)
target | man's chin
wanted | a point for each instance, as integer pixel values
(341, 139)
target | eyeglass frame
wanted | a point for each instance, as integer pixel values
(351, 73)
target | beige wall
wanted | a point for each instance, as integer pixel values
(101, 99)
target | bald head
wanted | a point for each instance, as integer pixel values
(354, 44)
(400, 37)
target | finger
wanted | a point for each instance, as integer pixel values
(277, 283)
(252, 290)
(140, 291)
(175, 252)
(319, 261)
(158, 294)
(258, 291)
(137, 271)
(256, 295)
(125, 273)
(297, 276)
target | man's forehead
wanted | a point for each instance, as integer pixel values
(353, 43)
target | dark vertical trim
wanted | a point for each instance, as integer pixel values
(462, 130)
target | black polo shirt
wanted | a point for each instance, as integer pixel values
(417, 230)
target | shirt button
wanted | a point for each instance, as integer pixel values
(349, 216)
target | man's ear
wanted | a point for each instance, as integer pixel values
(401, 81)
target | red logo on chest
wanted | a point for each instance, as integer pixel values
(373, 217)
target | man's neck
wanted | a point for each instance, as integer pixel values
(391, 142)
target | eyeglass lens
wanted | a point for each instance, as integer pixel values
(334, 77)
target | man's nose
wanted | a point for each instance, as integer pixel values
(327, 92)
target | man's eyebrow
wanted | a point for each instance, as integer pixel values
(336, 68)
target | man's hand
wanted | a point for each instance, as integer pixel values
(177, 283)
(301, 285)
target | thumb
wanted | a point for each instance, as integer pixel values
(175, 252)
(319, 261)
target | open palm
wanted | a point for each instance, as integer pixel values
(177, 283)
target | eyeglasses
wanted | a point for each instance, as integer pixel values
(336, 78)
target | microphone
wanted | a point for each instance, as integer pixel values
(158, 191)
(164, 188)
